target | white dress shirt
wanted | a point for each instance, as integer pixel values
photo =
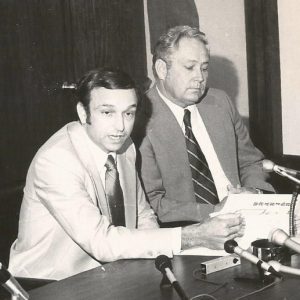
(100, 157)
(203, 139)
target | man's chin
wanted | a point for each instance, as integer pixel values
(194, 99)
(115, 146)
(195, 95)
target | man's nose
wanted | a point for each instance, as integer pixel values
(119, 123)
(199, 74)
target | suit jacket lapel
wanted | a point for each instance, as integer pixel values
(78, 140)
(175, 143)
(220, 134)
(126, 169)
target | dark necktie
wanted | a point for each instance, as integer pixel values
(204, 186)
(114, 192)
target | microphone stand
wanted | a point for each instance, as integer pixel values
(17, 294)
(285, 174)
(12, 285)
(292, 211)
(165, 282)
(294, 198)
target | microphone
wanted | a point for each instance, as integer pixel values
(231, 246)
(280, 237)
(269, 166)
(163, 264)
(284, 269)
(12, 285)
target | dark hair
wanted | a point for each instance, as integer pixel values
(170, 40)
(103, 77)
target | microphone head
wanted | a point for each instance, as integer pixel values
(162, 262)
(278, 236)
(230, 245)
(268, 166)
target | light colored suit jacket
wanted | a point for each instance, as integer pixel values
(165, 169)
(65, 226)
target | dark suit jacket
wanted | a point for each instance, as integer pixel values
(164, 164)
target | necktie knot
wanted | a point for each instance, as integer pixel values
(187, 118)
(110, 163)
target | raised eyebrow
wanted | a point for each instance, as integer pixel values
(191, 61)
(113, 106)
(105, 106)
(131, 106)
(196, 61)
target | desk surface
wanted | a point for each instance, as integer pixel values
(139, 279)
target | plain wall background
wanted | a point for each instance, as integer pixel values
(289, 42)
(224, 24)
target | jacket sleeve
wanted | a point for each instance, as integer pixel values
(146, 217)
(249, 157)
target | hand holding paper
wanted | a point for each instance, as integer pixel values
(241, 190)
(261, 213)
(213, 232)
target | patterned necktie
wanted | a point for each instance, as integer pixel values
(114, 192)
(204, 186)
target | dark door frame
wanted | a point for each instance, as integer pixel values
(264, 82)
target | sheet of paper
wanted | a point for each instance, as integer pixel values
(262, 213)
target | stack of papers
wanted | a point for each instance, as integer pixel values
(262, 213)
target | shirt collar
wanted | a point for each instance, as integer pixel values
(177, 110)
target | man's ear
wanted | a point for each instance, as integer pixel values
(161, 69)
(81, 113)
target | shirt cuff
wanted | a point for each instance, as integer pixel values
(176, 240)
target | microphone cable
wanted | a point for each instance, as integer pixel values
(221, 285)
(275, 282)
(218, 284)
(207, 296)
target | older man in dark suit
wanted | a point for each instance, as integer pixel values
(195, 148)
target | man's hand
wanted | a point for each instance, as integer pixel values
(213, 232)
(241, 190)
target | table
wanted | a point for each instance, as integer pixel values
(139, 279)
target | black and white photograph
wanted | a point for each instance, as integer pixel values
(149, 149)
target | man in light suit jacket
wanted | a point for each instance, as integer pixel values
(180, 64)
(69, 221)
